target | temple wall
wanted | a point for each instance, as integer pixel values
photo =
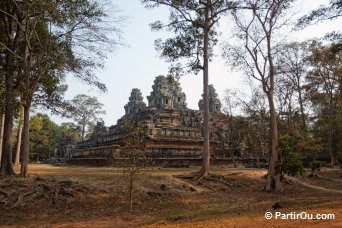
(164, 162)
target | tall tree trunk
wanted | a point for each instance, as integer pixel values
(332, 151)
(1, 134)
(20, 130)
(233, 158)
(230, 139)
(258, 161)
(261, 144)
(6, 158)
(27, 99)
(83, 132)
(274, 172)
(333, 159)
(26, 139)
(301, 105)
(274, 166)
(206, 147)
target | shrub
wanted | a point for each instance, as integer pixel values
(291, 160)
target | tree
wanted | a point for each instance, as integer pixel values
(229, 106)
(252, 127)
(72, 130)
(1, 133)
(194, 24)
(256, 28)
(43, 70)
(292, 161)
(38, 137)
(11, 28)
(47, 39)
(44, 134)
(2, 95)
(294, 104)
(256, 111)
(135, 150)
(292, 63)
(333, 11)
(324, 90)
(86, 111)
(19, 135)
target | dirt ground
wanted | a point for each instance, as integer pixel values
(78, 196)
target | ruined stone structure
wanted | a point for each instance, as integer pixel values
(64, 148)
(166, 93)
(135, 103)
(172, 132)
(214, 102)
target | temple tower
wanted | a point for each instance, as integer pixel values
(166, 93)
(135, 103)
(214, 102)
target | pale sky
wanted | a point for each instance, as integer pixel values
(137, 66)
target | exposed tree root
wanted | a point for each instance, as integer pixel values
(221, 179)
(3, 204)
(17, 192)
(55, 196)
(199, 178)
(6, 185)
(4, 192)
(287, 181)
(213, 182)
(21, 197)
(65, 192)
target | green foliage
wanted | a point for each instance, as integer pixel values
(72, 130)
(40, 134)
(293, 164)
(292, 161)
(187, 21)
(44, 135)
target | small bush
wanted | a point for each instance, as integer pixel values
(292, 161)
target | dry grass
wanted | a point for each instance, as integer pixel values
(98, 197)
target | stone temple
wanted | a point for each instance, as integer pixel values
(172, 132)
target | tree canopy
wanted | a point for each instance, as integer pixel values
(86, 111)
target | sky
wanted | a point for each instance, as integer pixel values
(136, 64)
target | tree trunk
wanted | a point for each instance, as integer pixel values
(232, 154)
(261, 144)
(301, 105)
(26, 139)
(1, 134)
(206, 147)
(258, 162)
(83, 132)
(333, 158)
(6, 159)
(334, 161)
(274, 172)
(20, 130)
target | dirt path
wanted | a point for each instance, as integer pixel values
(312, 186)
(78, 196)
